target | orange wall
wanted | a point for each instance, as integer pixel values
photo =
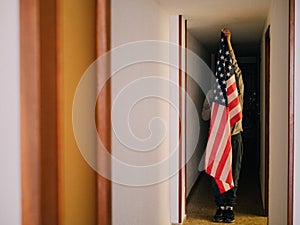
(77, 41)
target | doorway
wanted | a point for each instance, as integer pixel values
(200, 202)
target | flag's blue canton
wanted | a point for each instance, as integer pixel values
(223, 72)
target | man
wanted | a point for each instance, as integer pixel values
(226, 201)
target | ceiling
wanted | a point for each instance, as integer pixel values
(205, 18)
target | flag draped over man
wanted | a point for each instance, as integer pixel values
(226, 110)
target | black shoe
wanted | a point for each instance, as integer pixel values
(219, 216)
(229, 214)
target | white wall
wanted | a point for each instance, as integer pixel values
(297, 117)
(278, 20)
(198, 96)
(278, 113)
(10, 189)
(137, 20)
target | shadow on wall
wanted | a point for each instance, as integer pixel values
(198, 97)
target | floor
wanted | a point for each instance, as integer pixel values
(248, 210)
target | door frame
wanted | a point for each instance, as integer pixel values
(177, 122)
(267, 118)
(103, 115)
(39, 116)
(291, 99)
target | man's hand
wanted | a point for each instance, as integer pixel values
(227, 34)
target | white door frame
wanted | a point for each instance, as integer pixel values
(177, 122)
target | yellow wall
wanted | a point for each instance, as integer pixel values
(77, 40)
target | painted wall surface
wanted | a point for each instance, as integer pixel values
(198, 96)
(278, 20)
(297, 118)
(10, 168)
(77, 41)
(138, 20)
(278, 113)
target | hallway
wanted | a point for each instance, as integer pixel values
(46, 49)
(200, 202)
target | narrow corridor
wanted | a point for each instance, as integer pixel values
(248, 210)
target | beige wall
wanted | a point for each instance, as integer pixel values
(137, 20)
(77, 40)
(278, 20)
(198, 96)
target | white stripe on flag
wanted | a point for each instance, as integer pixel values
(226, 186)
(230, 81)
(236, 110)
(232, 96)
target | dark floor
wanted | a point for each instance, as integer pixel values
(248, 210)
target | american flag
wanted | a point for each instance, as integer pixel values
(225, 112)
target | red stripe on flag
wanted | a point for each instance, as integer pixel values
(234, 103)
(229, 177)
(236, 118)
(220, 186)
(231, 89)
(235, 110)
(224, 158)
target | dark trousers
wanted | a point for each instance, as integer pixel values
(228, 198)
